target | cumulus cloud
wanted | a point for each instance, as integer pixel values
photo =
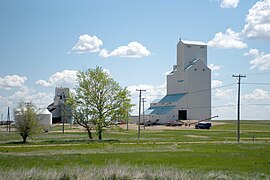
(66, 78)
(214, 67)
(11, 81)
(151, 93)
(216, 83)
(87, 43)
(132, 50)
(229, 3)
(26, 94)
(258, 21)
(223, 93)
(227, 40)
(107, 71)
(257, 94)
(220, 93)
(261, 60)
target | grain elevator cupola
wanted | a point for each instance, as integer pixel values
(188, 86)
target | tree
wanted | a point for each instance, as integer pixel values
(98, 100)
(80, 113)
(26, 121)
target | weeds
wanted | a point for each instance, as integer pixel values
(118, 172)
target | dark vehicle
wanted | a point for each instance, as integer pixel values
(173, 123)
(151, 123)
(203, 125)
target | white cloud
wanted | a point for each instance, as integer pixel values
(261, 59)
(151, 93)
(216, 83)
(40, 99)
(11, 81)
(26, 94)
(132, 50)
(228, 40)
(220, 94)
(107, 71)
(258, 21)
(229, 3)
(66, 78)
(257, 94)
(214, 67)
(87, 43)
(252, 52)
(223, 94)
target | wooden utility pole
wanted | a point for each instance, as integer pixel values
(2, 120)
(143, 101)
(8, 121)
(140, 99)
(238, 105)
(127, 120)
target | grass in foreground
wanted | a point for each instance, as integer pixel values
(160, 154)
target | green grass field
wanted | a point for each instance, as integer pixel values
(159, 154)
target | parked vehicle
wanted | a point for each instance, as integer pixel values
(151, 123)
(203, 125)
(174, 123)
(118, 122)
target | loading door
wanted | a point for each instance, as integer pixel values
(182, 114)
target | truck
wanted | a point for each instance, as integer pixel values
(203, 125)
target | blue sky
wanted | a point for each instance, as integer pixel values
(44, 43)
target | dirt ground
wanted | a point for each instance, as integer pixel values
(78, 128)
(163, 127)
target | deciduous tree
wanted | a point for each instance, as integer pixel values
(98, 100)
(26, 121)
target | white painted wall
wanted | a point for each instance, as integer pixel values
(199, 91)
(176, 82)
(187, 52)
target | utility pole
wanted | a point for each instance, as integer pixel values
(143, 101)
(2, 120)
(63, 111)
(140, 99)
(8, 120)
(127, 120)
(62, 117)
(238, 105)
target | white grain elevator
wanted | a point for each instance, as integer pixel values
(188, 87)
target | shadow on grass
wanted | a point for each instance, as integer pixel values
(60, 141)
(55, 141)
(16, 142)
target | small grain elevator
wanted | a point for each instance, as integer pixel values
(60, 112)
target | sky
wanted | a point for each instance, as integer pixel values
(44, 43)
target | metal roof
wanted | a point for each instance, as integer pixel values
(156, 101)
(159, 110)
(172, 98)
(194, 42)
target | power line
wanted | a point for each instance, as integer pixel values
(262, 104)
(212, 88)
(257, 83)
(255, 74)
(219, 87)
